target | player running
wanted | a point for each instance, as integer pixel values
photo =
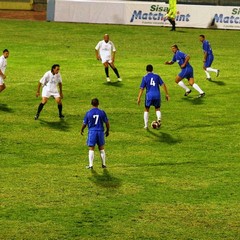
(186, 71)
(3, 66)
(208, 57)
(50, 83)
(94, 120)
(151, 82)
(105, 51)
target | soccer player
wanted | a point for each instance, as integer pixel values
(3, 66)
(50, 83)
(95, 119)
(105, 51)
(186, 71)
(208, 57)
(171, 14)
(151, 82)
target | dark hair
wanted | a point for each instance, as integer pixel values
(175, 46)
(202, 36)
(149, 68)
(54, 66)
(5, 50)
(95, 102)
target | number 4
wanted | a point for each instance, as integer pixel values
(152, 82)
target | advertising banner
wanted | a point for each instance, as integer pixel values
(145, 13)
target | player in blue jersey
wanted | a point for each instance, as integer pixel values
(186, 71)
(94, 120)
(151, 82)
(208, 57)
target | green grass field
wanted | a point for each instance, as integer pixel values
(180, 182)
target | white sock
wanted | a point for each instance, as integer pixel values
(211, 69)
(207, 74)
(145, 117)
(103, 156)
(196, 87)
(159, 115)
(181, 84)
(91, 157)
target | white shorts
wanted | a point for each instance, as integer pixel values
(48, 94)
(1, 81)
(106, 59)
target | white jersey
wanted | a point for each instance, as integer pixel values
(50, 82)
(3, 65)
(105, 49)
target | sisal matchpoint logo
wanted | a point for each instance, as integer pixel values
(156, 13)
(233, 19)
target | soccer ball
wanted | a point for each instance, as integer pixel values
(155, 125)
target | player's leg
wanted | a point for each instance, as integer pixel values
(159, 115)
(2, 87)
(101, 143)
(59, 103)
(146, 113)
(105, 64)
(40, 107)
(115, 71)
(196, 87)
(179, 81)
(208, 65)
(91, 142)
(90, 157)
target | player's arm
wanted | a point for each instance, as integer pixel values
(60, 89)
(2, 74)
(205, 56)
(108, 128)
(83, 127)
(140, 95)
(38, 89)
(169, 62)
(113, 55)
(97, 54)
(166, 91)
(187, 58)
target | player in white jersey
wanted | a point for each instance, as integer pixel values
(105, 51)
(3, 65)
(50, 83)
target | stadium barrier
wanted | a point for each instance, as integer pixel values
(16, 4)
(142, 13)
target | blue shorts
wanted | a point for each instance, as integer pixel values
(95, 137)
(154, 102)
(186, 72)
(209, 61)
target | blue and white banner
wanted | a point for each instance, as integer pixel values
(145, 13)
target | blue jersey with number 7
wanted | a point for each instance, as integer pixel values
(151, 82)
(95, 119)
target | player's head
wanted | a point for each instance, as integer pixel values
(106, 38)
(95, 102)
(55, 68)
(201, 38)
(149, 68)
(5, 53)
(174, 48)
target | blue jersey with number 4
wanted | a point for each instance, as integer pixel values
(151, 82)
(95, 119)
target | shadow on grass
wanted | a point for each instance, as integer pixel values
(5, 108)
(58, 125)
(219, 83)
(105, 180)
(194, 100)
(164, 137)
(114, 84)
